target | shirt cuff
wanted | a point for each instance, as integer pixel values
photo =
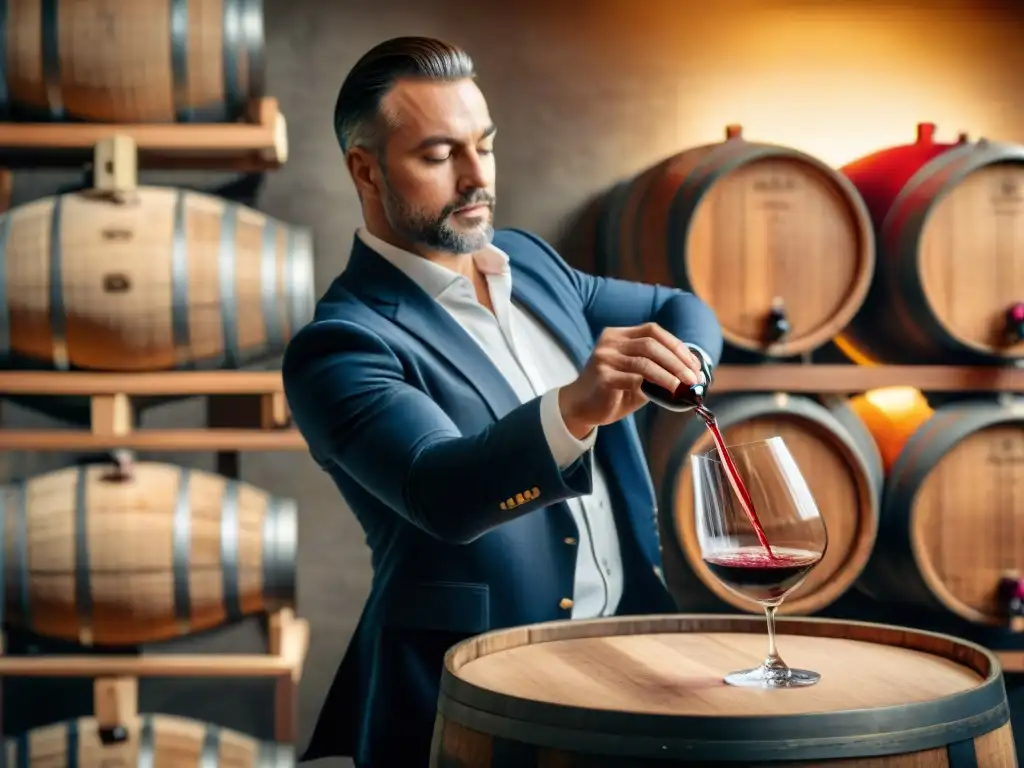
(565, 448)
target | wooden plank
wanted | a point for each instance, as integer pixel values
(754, 378)
(169, 665)
(73, 440)
(847, 379)
(169, 383)
(1012, 661)
(256, 395)
(257, 145)
(797, 378)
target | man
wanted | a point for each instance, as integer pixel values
(472, 397)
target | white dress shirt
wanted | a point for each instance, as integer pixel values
(534, 364)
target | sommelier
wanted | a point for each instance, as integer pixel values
(472, 395)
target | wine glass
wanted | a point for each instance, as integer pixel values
(766, 567)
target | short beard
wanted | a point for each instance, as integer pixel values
(435, 232)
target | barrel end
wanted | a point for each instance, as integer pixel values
(302, 277)
(280, 554)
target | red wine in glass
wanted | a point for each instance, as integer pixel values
(761, 576)
(736, 551)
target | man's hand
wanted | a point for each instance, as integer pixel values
(608, 389)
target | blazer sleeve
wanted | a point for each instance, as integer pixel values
(609, 303)
(350, 401)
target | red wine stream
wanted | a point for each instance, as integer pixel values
(734, 478)
(683, 399)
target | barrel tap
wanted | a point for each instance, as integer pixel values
(1015, 322)
(777, 324)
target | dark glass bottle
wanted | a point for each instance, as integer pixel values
(685, 398)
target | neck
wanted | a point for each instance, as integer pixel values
(456, 262)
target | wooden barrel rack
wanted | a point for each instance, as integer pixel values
(268, 417)
(246, 410)
(116, 678)
(259, 142)
(260, 413)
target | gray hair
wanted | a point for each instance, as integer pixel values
(358, 121)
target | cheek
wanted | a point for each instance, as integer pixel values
(426, 187)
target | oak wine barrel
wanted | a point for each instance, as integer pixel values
(836, 455)
(951, 526)
(99, 558)
(169, 279)
(947, 220)
(647, 692)
(139, 62)
(761, 232)
(153, 740)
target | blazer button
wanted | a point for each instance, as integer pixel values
(565, 604)
(569, 540)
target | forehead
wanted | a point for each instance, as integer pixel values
(422, 108)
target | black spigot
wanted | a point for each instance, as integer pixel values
(109, 736)
(777, 325)
(1015, 322)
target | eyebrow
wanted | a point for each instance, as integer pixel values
(433, 141)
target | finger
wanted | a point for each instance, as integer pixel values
(671, 342)
(654, 350)
(647, 369)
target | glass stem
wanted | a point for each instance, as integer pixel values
(774, 660)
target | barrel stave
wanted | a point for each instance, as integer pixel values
(457, 746)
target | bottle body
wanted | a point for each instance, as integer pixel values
(685, 398)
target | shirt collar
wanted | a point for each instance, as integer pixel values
(434, 278)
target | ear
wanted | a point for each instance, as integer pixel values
(364, 168)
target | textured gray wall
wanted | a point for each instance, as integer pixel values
(584, 92)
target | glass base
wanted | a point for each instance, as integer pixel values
(765, 676)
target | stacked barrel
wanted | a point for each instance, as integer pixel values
(948, 290)
(109, 558)
(129, 278)
(905, 256)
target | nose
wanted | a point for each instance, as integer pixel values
(475, 172)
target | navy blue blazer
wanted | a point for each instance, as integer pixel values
(451, 478)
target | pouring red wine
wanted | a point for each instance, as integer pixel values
(759, 529)
(687, 398)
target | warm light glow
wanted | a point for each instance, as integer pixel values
(837, 80)
(892, 415)
(895, 399)
(840, 84)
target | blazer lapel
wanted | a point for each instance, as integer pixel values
(529, 292)
(394, 295)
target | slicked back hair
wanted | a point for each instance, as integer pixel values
(358, 121)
